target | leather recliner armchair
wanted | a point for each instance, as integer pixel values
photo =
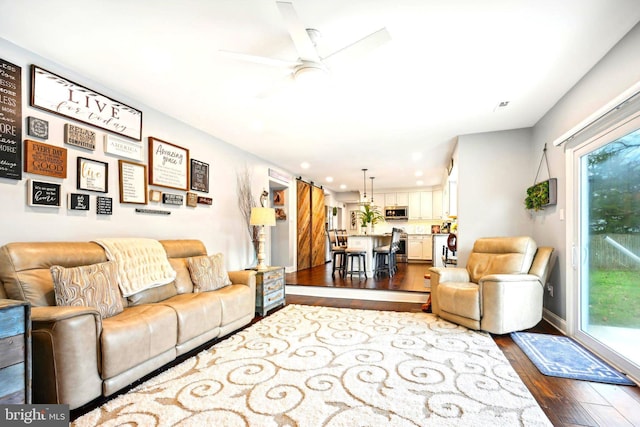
(499, 291)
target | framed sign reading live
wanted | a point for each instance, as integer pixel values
(10, 120)
(58, 95)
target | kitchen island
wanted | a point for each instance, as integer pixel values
(368, 242)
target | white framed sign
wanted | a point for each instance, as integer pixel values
(92, 175)
(58, 95)
(133, 182)
(123, 147)
(168, 165)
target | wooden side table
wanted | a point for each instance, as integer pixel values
(270, 289)
(15, 352)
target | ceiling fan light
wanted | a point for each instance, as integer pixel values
(309, 74)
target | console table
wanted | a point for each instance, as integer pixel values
(15, 352)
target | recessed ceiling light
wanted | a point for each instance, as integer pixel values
(419, 182)
(329, 179)
(416, 156)
(343, 186)
(305, 165)
(418, 173)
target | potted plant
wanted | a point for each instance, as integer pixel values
(542, 194)
(369, 216)
(335, 211)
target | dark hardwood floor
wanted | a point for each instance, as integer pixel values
(409, 277)
(566, 402)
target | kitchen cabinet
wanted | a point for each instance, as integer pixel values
(421, 205)
(419, 247)
(450, 199)
(396, 199)
(437, 204)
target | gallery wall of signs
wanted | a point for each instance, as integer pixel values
(95, 127)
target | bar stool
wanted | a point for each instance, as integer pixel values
(360, 255)
(338, 255)
(385, 256)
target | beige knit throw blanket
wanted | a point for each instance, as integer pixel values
(142, 263)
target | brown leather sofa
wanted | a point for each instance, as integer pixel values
(79, 356)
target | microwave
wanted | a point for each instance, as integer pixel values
(396, 213)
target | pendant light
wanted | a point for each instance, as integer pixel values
(364, 186)
(372, 178)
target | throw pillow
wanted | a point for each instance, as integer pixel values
(208, 272)
(93, 285)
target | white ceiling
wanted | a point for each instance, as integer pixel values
(448, 65)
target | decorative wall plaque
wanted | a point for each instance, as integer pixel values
(104, 205)
(37, 127)
(44, 193)
(10, 120)
(205, 200)
(153, 211)
(133, 182)
(45, 159)
(155, 196)
(80, 137)
(93, 175)
(168, 164)
(58, 95)
(199, 176)
(172, 199)
(123, 147)
(78, 202)
(192, 200)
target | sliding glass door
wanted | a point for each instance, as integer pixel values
(606, 246)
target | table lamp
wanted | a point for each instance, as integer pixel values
(262, 217)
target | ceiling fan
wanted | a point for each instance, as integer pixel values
(304, 39)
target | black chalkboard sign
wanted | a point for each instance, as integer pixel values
(78, 202)
(10, 120)
(199, 176)
(44, 193)
(104, 205)
(172, 199)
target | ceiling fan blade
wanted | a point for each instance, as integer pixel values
(302, 41)
(359, 49)
(276, 88)
(256, 59)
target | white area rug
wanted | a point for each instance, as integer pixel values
(322, 366)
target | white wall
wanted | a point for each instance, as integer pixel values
(493, 175)
(615, 73)
(220, 226)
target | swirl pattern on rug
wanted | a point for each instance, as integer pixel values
(323, 366)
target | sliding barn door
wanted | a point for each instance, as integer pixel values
(304, 225)
(311, 218)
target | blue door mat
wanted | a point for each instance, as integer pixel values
(560, 356)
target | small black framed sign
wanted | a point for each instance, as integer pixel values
(78, 202)
(199, 176)
(104, 205)
(44, 193)
(93, 175)
(172, 199)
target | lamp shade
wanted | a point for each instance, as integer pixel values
(263, 216)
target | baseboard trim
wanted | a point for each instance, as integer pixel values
(556, 321)
(351, 293)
